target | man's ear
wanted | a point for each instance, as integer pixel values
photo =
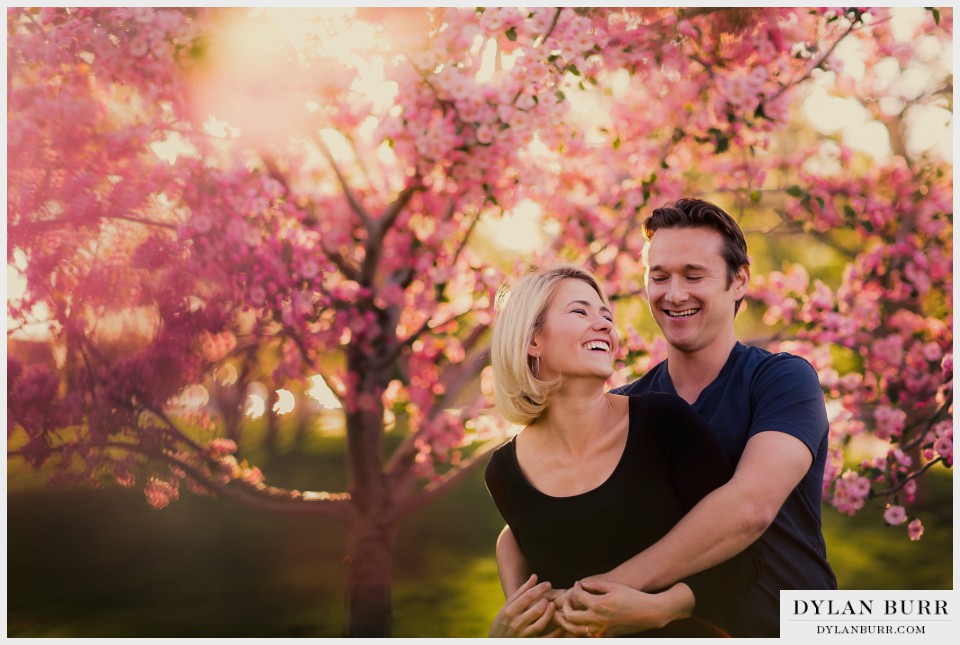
(740, 281)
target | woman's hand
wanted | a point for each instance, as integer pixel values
(529, 611)
(602, 608)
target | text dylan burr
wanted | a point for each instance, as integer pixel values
(870, 608)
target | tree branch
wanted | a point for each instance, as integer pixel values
(433, 490)
(267, 498)
(355, 204)
(890, 491)
(378, 231)
(819, 62)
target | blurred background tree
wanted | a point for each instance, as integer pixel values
(278, 225)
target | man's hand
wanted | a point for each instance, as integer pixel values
(529, 611)
(603, 608)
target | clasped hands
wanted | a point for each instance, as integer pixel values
(592, 607)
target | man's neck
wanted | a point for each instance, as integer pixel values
(691, 372)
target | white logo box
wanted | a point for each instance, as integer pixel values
(882, 616)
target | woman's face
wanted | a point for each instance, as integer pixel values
(578, 337)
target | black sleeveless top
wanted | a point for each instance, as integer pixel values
(670, 462)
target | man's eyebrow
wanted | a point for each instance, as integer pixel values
(686, 267)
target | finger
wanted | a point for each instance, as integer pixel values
(534, 613)
(555, 633)
(580, 616)
(597, 586)
(523, 602)
(574, 599)
(567, 625)
(526, 586)
(541, 623)
(580, 597)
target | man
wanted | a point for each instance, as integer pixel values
(766, 409)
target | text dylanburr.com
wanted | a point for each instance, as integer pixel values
(884, 615)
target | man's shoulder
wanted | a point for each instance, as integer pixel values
(763, 363)
(649, 382)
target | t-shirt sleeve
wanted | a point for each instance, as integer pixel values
(496, 477)
(696, 465)
(786, 397)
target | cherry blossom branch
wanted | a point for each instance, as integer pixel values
(378, 230)
(267, 498)
(915, 474)
(349, 271)
(355, 204)
(337, 258)
(466, 237)
(433, 490)
(553, 25)
(174, 429)
(390, 356)
(939, 414)
(819, 63)
(457, 379)
(52, 223)
(356, 153)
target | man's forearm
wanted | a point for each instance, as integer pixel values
(718, 528)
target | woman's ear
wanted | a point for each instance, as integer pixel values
(533, 349)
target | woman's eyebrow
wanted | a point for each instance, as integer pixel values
(587, 304)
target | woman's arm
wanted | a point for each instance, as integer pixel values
(512, 565)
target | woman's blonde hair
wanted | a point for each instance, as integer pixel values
(519, 394)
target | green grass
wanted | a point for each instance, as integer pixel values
(868, 554)
(85, 563)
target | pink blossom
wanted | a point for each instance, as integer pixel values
(252, 476)
(915, 530)
(685, 28)
(139, 46)
(895, 515)
(220, 447)
(890, 421)
(160, 493)
(944, 447)
(932, 352)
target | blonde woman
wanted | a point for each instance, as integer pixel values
(593, 478)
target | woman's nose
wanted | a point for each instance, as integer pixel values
(602, 323)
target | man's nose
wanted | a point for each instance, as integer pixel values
(675, 292)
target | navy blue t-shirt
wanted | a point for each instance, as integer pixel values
(757, 391)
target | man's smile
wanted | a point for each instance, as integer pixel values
(684, 313)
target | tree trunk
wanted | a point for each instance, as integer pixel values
(369, 573)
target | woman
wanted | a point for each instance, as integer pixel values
(593, 478)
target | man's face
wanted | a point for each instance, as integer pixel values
(687, 288)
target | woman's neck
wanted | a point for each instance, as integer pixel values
(576, 414)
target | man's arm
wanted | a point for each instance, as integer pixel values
(726, 521)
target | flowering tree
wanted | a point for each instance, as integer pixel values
(203, 200)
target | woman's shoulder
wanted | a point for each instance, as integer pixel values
(656, 402)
